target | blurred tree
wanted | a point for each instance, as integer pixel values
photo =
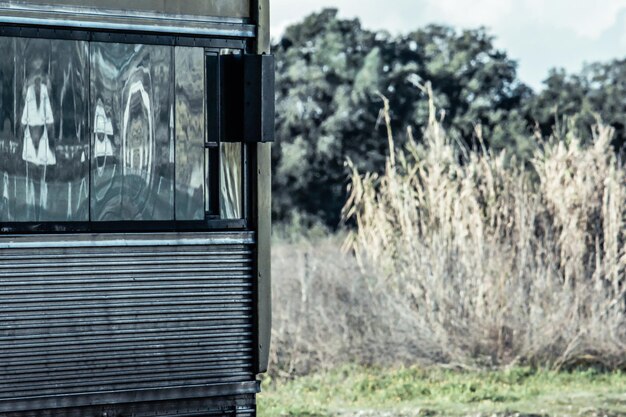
(317, 63)
(599, 91)
(329, 74)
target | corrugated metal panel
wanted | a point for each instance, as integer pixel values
(88, 315)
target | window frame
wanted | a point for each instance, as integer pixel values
(212, 221)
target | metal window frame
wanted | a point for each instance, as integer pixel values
(210, 223)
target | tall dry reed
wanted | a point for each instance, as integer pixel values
(497, 262)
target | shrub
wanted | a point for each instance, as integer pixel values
(499, 262)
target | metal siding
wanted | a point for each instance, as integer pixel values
(261, 16)
(262, 215)
(213, 8)
(88, 315)
(263, 220)
(207, 18)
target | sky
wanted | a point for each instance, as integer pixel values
(538, 34)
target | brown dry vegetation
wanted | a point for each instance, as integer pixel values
(465, 257)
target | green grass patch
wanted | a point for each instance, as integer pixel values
(436, 392)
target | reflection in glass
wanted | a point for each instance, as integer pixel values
(189, 133)
(231, 181)
(133, 152)
(207, 181)
(43, 105)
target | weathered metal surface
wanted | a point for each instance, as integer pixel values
(263, 204)
(103, 319)
(263, 223)
(213, 8)
(242, 405)
(197, 18)
(261, 16)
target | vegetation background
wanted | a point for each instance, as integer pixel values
(436, 215)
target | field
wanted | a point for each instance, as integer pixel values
(370, 392)
(466, 284)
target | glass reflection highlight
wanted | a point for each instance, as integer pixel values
(133, 152)
(231, 171)
(190, 133)
(43, 142)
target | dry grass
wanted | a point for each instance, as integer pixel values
(326, 311)
(464, 258)
(498, 263)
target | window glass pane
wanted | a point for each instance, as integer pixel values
(207, 180)
(230, 181)
(132, 132)
(190, 135)
(11, 165)
(44, 145)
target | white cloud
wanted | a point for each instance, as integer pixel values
(539, 33)
(470, 14)
(584, 18)
(394, 15)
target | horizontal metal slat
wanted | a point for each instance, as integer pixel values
(233, 296)
(124, 376)
(96, 316)
(235, 252)
(123, 289)
(128, 240)
(128, 312)
(113, 332)
(129, 366)
(127, 272)
(130, 260)
(50, 325)
(81, 357)
(138, 307)
(216, 339)
(157, 380)
(196, 398)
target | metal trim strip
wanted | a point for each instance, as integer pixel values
(113, 240)
(118, 21)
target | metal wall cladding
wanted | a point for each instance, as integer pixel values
(189, 17)
(86, 317)
(213, 8)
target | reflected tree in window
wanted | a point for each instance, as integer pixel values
(190, 133)
(132, 99)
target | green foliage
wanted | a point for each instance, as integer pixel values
(419, 391)
(597, 93)
(330, 72)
